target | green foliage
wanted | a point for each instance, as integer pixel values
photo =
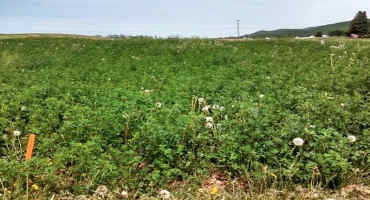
(359, 24)
(337, 33)
(129, 111)
(325, 29)
(318, 34)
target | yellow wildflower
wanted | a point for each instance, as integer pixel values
(214, 190)
(35, 187)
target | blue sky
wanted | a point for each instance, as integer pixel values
(204, 18)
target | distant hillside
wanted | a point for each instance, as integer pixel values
(302, 32)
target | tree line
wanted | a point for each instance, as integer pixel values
(359, 26)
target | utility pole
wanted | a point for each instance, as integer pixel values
(237, 27)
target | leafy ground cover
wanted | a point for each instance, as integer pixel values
(144, 114)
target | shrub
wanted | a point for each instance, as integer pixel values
(337, 33)
(318, 34)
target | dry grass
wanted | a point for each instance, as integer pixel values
(186, 192)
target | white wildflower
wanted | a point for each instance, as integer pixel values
(201, 100)
(209, 119)
(312, 126)
(209, 125)
(16, 133)
(147, 91)
(23, 108)
(222, 108)
(342, 104)
(322, 42)
(298, 141)
(206, 108)
(124, 194)
(158, 104)
(164, 194)
(102, 191)
(216, 107)
(352, 138)
(261, 95)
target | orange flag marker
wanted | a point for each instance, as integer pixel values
(31, 144)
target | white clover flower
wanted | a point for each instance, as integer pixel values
(298, 141)
(164, 194)
(209, 119)
(216, 107)
(201, 100)
(206, 108)
(16, 133)
(124, 194)
(23, 108)
(352, 138)
(222, 108)
(209, 125)
(342, 104)
(261, 95)
(158, 104)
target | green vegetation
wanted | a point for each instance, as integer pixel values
(359, 24)
(133, 113)
(326, 29)
(337, 33)
(318, 34)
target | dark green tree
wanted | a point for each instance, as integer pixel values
(359, 24)
(337, 33)
(318, 34)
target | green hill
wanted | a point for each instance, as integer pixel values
(302, 32)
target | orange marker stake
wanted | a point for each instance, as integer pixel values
(31, 144)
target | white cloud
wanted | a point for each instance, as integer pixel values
(168, 17)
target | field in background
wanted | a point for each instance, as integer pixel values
(142, 115)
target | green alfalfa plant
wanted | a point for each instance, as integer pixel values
(76, 95)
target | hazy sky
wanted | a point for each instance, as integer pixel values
(205, 18)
